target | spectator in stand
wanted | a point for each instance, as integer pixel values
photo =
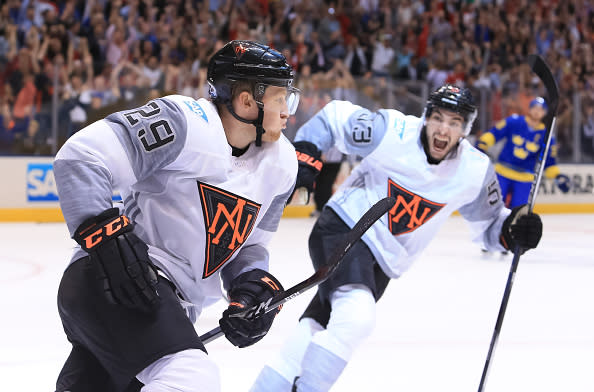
(117, 49)
(356, 57)
(8, 53)
(153, 72)
(437, 74)
(330, 32)
(458, 75)
(383, 55)
(317, 59)
(6, 136)
(76, 101)
(26, 21)
(180, 32)
(33, 141)
(23, 106)
(102, 92)
(129, 83)
(588, 130)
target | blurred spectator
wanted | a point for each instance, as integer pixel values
(383, 55)
(129, 82)
(588, 130)
(153, 71)
(117, 48)
(437, 74)
(22, 110)
(102, 92)
(330, 32)
(316, 57)
(356, 58)
(457, 76)
(482, 44)
(33, 141)
(76, 102)
(6, 123)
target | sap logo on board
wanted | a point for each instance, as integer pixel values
(41, 185)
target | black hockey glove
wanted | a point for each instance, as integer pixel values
(249, 289)
(310, 165)
(120, 259)
(521, 229)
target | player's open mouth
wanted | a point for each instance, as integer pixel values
(439, 144)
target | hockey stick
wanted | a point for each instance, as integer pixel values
(367, 220)
(542, 70)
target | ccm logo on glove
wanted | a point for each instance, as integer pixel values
(111, 229)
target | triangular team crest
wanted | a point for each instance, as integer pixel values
(229, 220)
(410, 210)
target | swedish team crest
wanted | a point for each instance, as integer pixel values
(410, 210)
(229, 220)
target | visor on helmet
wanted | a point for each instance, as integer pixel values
(292, 97)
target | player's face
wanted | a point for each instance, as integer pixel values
(537, 113)
(444, 128)
(276, 112)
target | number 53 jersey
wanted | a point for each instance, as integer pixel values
(395, 164)
(204, 213)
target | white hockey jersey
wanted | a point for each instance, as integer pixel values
(205, 214)
(395, 164)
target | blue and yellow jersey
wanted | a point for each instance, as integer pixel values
(521, 150)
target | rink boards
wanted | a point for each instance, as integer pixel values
(28, 192)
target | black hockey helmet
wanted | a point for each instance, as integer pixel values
(246, 60)
(250, 61)
(456, 99)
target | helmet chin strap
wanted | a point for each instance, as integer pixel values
(256, 123)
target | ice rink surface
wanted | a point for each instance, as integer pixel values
(433, 328)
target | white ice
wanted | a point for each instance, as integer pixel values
(434, 323)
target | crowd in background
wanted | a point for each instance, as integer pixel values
(109, 55)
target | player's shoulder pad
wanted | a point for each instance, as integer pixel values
(398, 122)
(200, 109)
(474, 154)
(158, 125)
(340, 109)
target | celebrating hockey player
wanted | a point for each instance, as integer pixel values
(203, 185)
(524, 142)
(432, 170)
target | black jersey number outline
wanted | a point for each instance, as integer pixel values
(361, 132)
(157, 128)
(493, 193)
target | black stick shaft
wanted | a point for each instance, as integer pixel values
(544, 73)
(363, 224)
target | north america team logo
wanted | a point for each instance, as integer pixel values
(229, 220)
(410, 210)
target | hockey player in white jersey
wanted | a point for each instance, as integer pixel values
(432, 171)
(203, 184)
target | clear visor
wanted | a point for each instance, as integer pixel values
(291, 98)
(293, 95)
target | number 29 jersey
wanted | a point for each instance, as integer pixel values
(205, 214)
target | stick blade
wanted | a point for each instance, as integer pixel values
(542, 70)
